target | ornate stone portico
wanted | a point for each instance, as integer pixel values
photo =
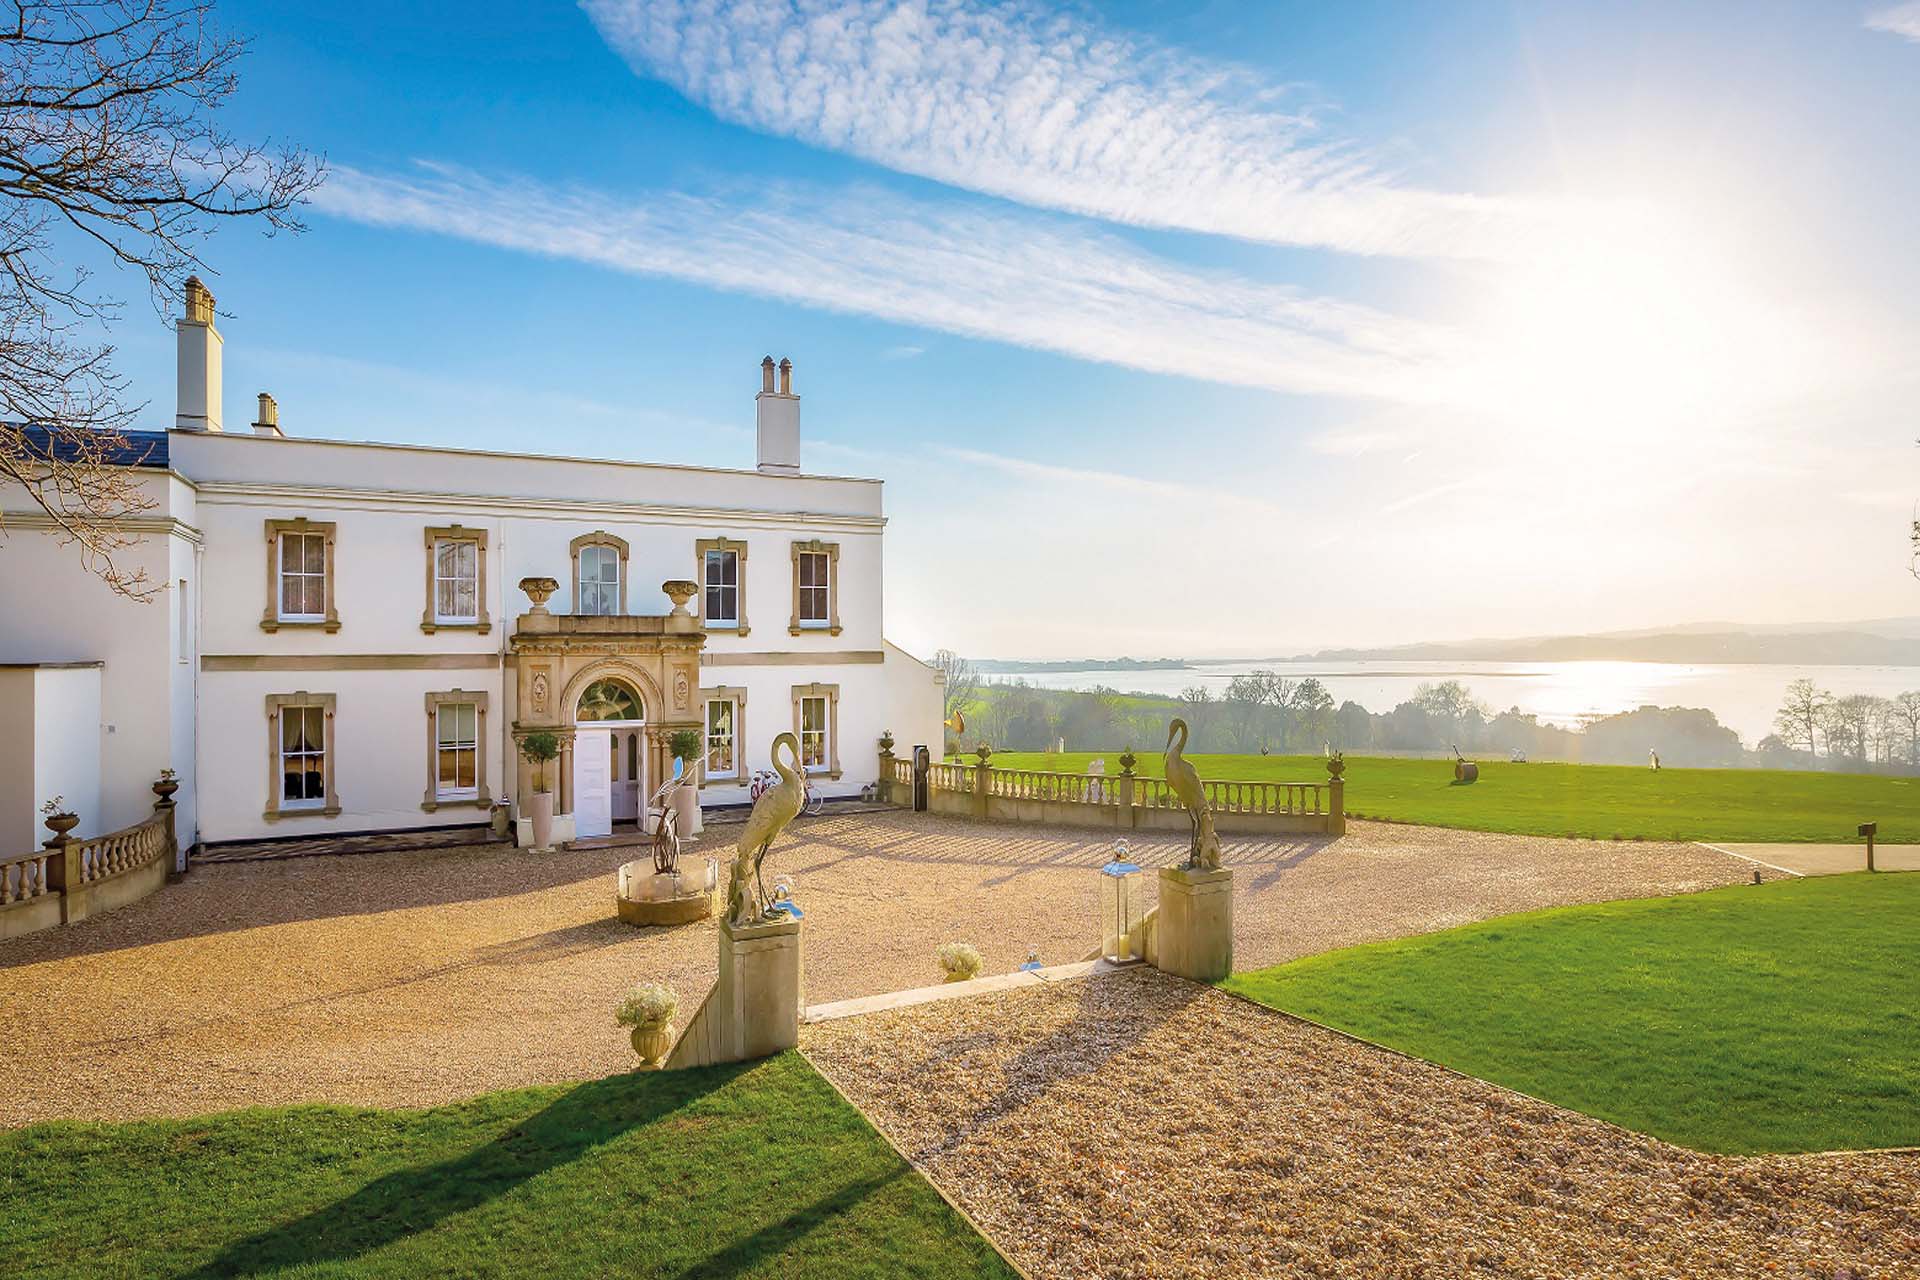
(555, 657)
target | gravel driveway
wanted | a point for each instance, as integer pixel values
(416, 978)
(1139, 1125)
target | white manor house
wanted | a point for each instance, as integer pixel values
(344, 644)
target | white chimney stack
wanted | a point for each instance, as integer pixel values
(776, 423)
(197, 398)
(268, 423)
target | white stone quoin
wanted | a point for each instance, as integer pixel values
(219, 680)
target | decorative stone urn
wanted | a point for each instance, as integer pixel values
(539, 590)
(984, 752)
(165, 787)
(1127, 761)
(60, 824)
(651, 1042)
(680, 590)
(1336, 765)
(886, 742)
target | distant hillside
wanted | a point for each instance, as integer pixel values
(1782, 647)
(1008, 666)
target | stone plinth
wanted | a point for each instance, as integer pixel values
(1193, 932)
(754, 1007)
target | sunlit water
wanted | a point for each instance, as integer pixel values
(1743, 696)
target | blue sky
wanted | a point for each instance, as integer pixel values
(1175, 328)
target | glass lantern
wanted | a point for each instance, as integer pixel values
(1119, 905)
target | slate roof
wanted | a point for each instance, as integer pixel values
(136, 448)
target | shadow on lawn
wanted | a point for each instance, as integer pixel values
(773, 1239)
(413, 1201)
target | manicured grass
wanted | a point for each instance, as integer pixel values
(758, 1170)
(1778, 1017)
(1596, 800)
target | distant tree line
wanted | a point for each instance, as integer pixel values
(1815, 729)
(1267, 712)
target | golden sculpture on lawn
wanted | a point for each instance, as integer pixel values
(1183, 780)
(747, 901)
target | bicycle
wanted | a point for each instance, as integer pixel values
(812, 804)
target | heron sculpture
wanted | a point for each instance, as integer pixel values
(1184, 781)
(776, 807)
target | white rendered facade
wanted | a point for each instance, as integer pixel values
(370, 591)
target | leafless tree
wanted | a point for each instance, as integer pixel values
(108, 155)
(1799, 716)
(1848, 722)
(1904, 712)
(1196, 708)
(963, 682)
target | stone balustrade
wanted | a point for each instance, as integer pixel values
(1123, 801)
(69, 879)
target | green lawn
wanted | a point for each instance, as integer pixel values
(1602, 801)
(1779, 1017)
(757, 1170)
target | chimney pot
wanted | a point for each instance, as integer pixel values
(268, 423)
(777, 422)
(197, 389)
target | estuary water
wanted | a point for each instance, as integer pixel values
(1744, 696)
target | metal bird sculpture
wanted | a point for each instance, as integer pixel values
(776, 807)
(1184, 781)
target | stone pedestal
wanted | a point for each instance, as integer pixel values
(1194, 928)
(760, 983)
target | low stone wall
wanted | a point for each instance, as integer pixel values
(69, 879)
(1124, 802)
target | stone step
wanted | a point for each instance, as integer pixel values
(959, 990)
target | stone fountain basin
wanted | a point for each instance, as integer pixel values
(649, 897)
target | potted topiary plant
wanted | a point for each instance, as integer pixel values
(685, 745)
(537, 749)
(648, 1010)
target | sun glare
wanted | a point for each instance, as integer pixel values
(1631, 323)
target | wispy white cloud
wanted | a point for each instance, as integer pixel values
(905, 351)
(1901, 20)
(1007, 276)
(1047, 111)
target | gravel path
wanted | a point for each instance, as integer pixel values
(417, 978)
(1138, 1125)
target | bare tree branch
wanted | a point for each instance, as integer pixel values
(108, 144)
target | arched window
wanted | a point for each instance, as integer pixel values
(599, 573)
(608, 700)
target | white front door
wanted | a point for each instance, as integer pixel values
(628, 756)
(592, 783)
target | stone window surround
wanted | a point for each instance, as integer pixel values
(431, 800)
(832, 551)
(270, 619)
(598, 538)
(741, 774)
(330, 806)
(831, 692)
(723, 543)
(429, 623)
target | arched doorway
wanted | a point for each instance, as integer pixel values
(609, 757)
